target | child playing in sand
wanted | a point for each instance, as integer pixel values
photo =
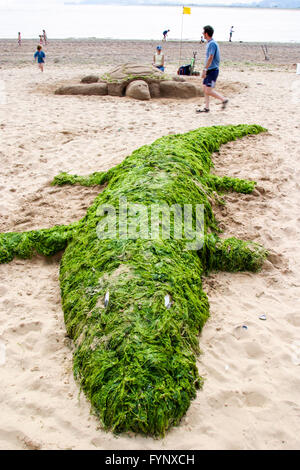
(40, 57)
(159, 59)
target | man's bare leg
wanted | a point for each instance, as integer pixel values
(209, 91)
(206, 96)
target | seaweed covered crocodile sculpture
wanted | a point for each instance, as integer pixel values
(135, 352)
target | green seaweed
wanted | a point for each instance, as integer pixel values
(135, 358)
(131, 77)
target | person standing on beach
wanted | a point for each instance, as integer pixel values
(230, 33)
(19, 39)
(41, 39)
(159, 59)
(165, 34)
(211, 70)
(45, 37)
(40, 57)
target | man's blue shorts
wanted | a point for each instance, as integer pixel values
(211, 77)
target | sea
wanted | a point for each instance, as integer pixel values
(148, 22)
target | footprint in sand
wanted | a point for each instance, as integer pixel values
(24, 328)
(254, 398)
(292, 318)
(254, 350)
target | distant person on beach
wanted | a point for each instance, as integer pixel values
(159, 59)
(211, 70)
(230, 33)
(45, 37)
(19, 39)
(165, 34)
(39, 56)
(202, 39)
(41, 39)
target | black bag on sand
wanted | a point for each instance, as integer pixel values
(184, 70)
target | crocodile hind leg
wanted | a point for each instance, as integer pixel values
(226, 183)
(231, 254)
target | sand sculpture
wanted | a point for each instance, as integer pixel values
(134, 306)
(141, 82)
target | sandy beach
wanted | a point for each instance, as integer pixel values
(251, 393)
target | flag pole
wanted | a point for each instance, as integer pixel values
(185, 10)
(181, 38)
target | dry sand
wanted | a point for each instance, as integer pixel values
(250, 398)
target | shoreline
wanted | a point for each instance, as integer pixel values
(170, 41)
(179, 5)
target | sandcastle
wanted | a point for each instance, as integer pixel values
(138, 81)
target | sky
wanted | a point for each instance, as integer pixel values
(38, 3)
(29, 3)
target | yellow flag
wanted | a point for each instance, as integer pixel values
(186, 10)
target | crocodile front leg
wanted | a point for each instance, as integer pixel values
(46, 242)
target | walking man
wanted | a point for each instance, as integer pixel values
(211, 70)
